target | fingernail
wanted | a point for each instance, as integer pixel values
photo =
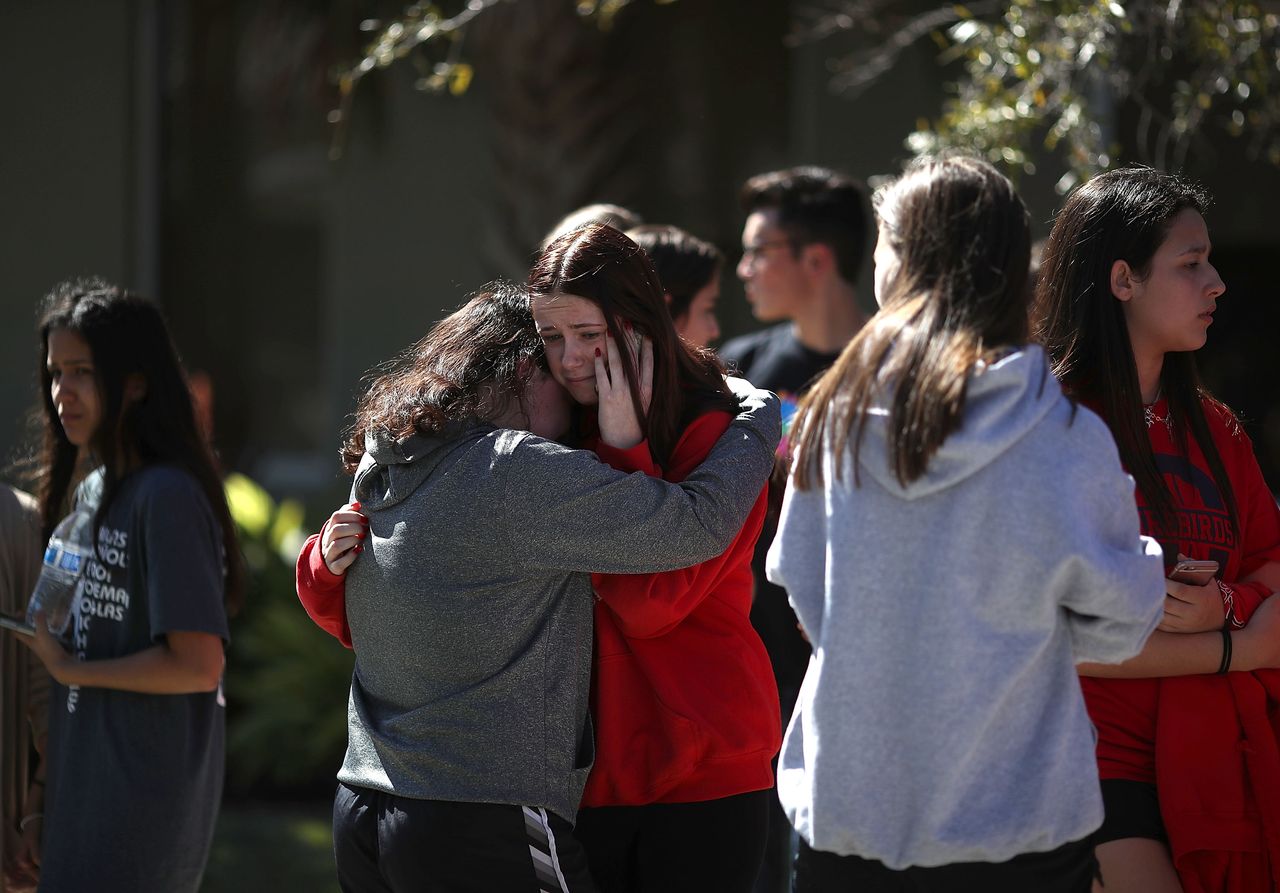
(360, 536)
(364, 521)
(627, 323)
(359, 548)
(597, 351)
(356, 506)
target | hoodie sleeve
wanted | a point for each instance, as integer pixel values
(1112, 577)
(567, 510)
(322, 593)
(648, 605)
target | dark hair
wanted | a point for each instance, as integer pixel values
(815, 206)
(127, 336)
(684, 263)
(468, 366)
(602, 212)
(1123, 214)
(603, 266)
(963, 239)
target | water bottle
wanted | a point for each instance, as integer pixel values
(64, 558)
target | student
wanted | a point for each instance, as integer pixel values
(136, 724)
(689, 270)
(1189, 760)
(471, 618)
(803, 246)
(686, 712)
(955, 535)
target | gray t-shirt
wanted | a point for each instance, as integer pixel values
(135, 779)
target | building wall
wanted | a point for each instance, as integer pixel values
(67, 176)
(182, 147)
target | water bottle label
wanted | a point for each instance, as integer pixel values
(51, 555)
(70, 561)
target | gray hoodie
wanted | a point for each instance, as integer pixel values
(470, 612)
(941, 719)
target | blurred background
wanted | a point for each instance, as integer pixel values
(306, 185)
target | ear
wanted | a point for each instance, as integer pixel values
(525, 367)
(135, 387)
(1122, 280)
(817, 258)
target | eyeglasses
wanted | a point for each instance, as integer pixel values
(751, 253)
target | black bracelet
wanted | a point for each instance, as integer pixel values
(1225, 666)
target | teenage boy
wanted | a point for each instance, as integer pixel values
(803, 245)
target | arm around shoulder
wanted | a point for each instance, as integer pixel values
(565, 509)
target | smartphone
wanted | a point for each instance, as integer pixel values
(18, 626)
(1194, 573)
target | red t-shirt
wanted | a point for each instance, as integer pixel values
(1125, 710)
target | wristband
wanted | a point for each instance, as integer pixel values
(29, 819)
(1225, 666)
(1229, 606)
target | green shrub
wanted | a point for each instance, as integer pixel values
(287, 681)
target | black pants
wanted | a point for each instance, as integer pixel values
(1070, 868)
(712, 845)
(779, 848)
(1132, 810)
(389, 844)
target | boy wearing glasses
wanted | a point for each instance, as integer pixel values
(802, 248)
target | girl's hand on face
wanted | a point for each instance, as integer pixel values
(1192, 609)
(342, 538)
(620, 427)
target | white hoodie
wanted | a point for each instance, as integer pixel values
(941, 719)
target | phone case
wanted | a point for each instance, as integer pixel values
(1194, 573)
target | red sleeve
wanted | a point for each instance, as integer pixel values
(638, 458)
(323, 594)
(1240, 600)
(1259, 514)
(1258, 521)
(648, 605)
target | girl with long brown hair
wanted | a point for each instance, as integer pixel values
(135, 753)
(1188, 749)
(685, 706)
(953, 538)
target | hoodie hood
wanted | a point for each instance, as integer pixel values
(1003, 402)
(392, 469)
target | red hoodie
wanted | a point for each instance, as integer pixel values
(683, 696)
(1210, 744)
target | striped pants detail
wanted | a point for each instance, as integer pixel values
(389, 844)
